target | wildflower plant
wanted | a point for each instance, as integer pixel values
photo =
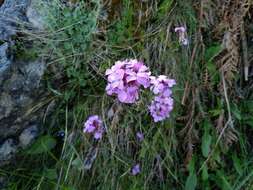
(125, 79)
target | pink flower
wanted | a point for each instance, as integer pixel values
(125, 79)
(94, 125)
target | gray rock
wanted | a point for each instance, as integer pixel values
(17, 13)
(3, 56)
(12, 14)
(4, 61)
(21, 82)
(21, 90)
(3, 183)
(35, 16)
(33, 73)
(6, 105)
(7, 150)
(28, 136)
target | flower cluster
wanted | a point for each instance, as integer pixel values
(182, 35)
(94, 125)
(125, 79)
(162, 104)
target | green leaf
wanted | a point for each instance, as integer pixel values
(236, 112)
(204, 173)
(50, 173)
(224, 184)
(212, 51)
(191, 165)
(237, 164)
(249, 105)
(215, 112)
(164, 7)
(77, 163)
(211, 67)
(191, 182)
(206, 139)
(205, 146)
(69, 188)
(249, 122)
(42, 145)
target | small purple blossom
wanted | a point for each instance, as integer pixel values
(161, 107)
(184, 41)
(182, 35)
(129, 94)
(94, 125)
(161, 84)
(136, 169)
(180, 29)
(140, 136)
(162, 104)
(125, 79)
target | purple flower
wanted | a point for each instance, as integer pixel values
(161, 84)
(128, 95)
(140, 136)
(180, 29)
(162, 104)
(161, 107)
(98, 133)
(94, 125)
(125, 79)
(184, 41)
(182, 35)
(136, 169)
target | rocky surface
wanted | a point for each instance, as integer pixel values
(28, 136)
(21, 82)
(12, 13)
(20, 88)
(7, 150)
(34, 16)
